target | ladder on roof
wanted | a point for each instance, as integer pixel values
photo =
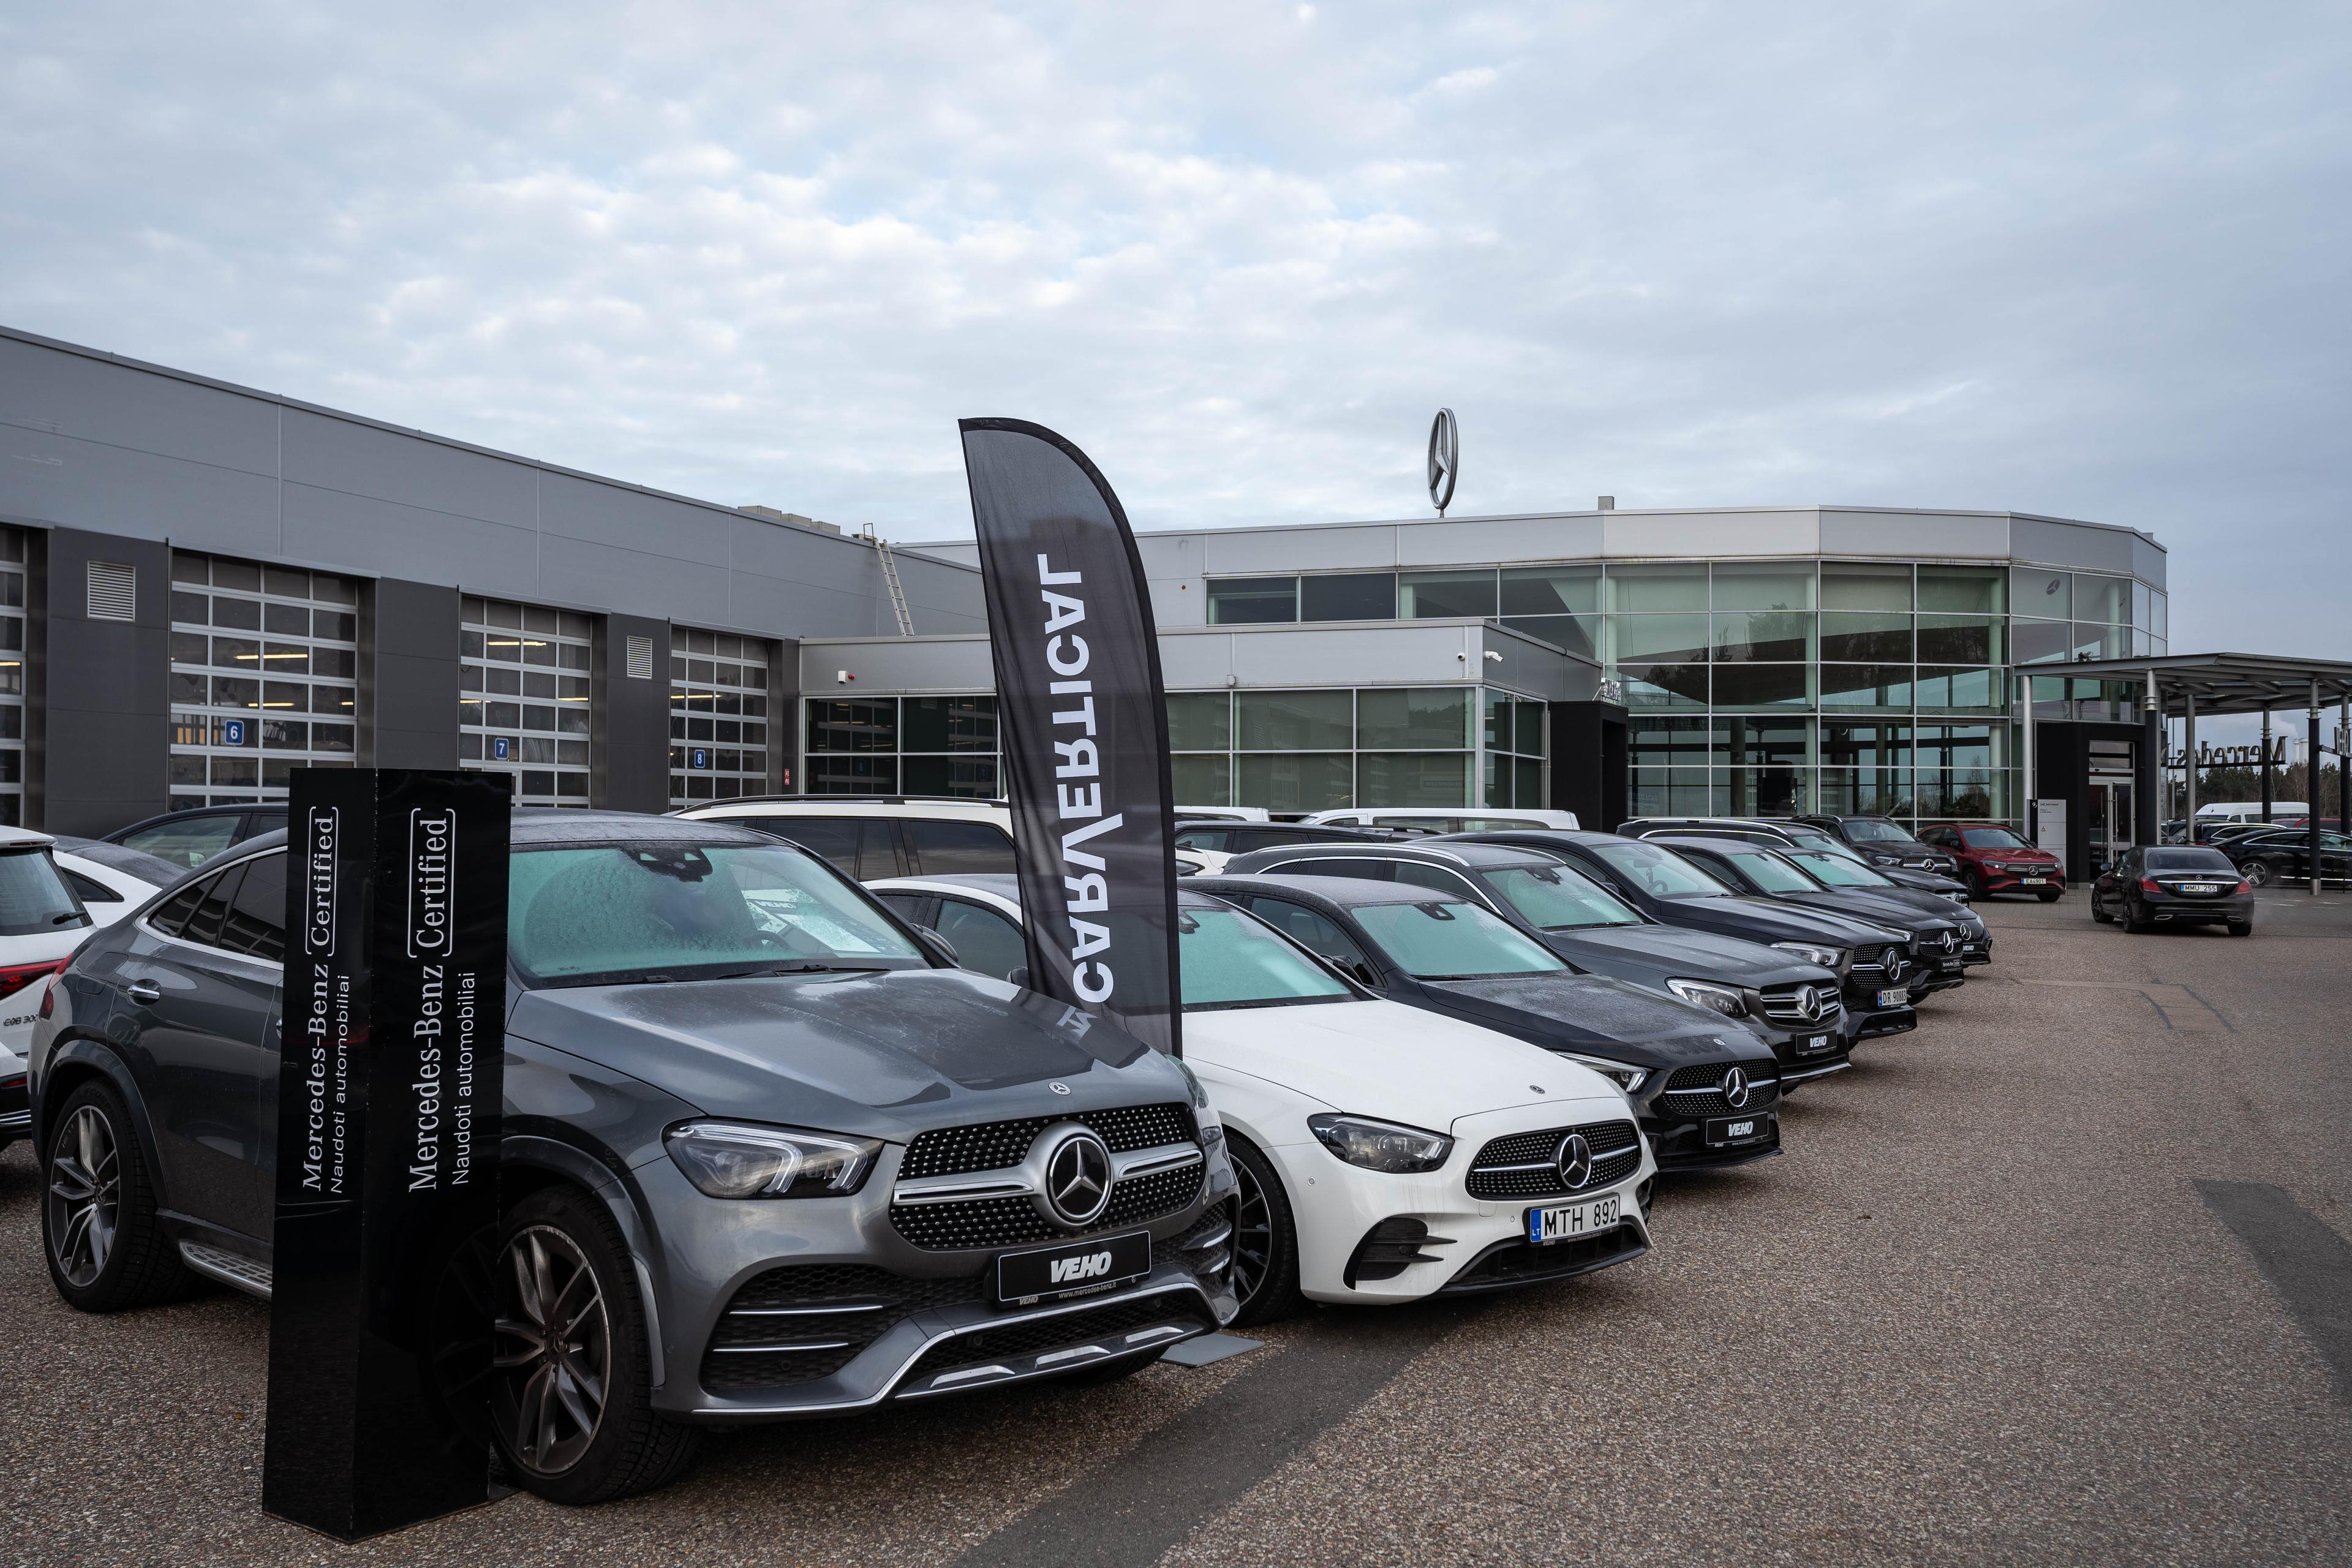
(891, 581)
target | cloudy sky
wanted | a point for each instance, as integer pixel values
(2083, 260)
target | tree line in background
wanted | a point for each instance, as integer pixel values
(2289, 782)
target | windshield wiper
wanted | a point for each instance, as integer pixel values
(812, 966)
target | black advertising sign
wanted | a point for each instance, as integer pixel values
(1082, 717)
(389, 1087)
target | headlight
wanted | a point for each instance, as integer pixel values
(1722, 999)
(1625, 1075)
(734, 1160)
(1381, 1145)
(1827, 957)
(1886, 860)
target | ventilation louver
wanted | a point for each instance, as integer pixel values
(641, 658)
(112, 591)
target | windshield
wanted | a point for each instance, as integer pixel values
(2190, 860)
(1991, 838)
(1556, 898)
(34, 898)
(1452, 942)
(1871, 831)
(626, 913)
(1660, 873)
(1772, 873)
(1837, 870)
(1229, 960)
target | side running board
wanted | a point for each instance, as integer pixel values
(231, 1269)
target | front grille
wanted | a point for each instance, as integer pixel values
(865, 1303)
(1616, 1152)
(1695, 1092)
(1039, 1334)
(992, 1145)
(1015, 1222)
(1785, 1005)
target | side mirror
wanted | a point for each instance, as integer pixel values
(940, 947)
(1019, 976)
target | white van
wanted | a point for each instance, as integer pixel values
(2220, 811)
(1437, 819)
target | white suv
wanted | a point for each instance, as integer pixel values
(41, 924)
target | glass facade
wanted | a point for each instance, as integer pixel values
(12, 676)
(265, 678)
(719, 723)
(1324, 748)
(524, 697)
(903, 745)
(1768, 687)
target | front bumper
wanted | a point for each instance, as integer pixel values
(1877, 1025)
(1678, 1136)
(2052, 880)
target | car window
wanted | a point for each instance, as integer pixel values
(190, 842)
(1556, 898)
(1837, 870)
(1770, 872)
(91, 890)
(206, 924)
(1659, 872)
(1450, 941)
(1362, 866)
(35, 897)
(256, 920)
(859, 846)
(1935, 836)
(171, 917)
(262, 821)
(1415, 874)
(908, 907)
(1425, 824)
(1495, 823)
(1991, 838)
(985, 941)
(946, 849)
(1308, 928)
(629, 914)
(1212, 840)
(1228, 960)
(1864, 831)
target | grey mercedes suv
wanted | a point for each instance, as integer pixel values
(767, 1152)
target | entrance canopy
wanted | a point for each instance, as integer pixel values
(2219, 683)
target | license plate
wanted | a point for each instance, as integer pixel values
(1073, 1269)
(1738, 1129)
(1813, 1043)
(1894, 996)
(2032, 881)
(1948, 965)
(1571, 1222)
(2200, 888)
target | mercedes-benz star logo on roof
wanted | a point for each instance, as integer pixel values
(1735, 1088)
(1444, 459)
(1573, 1159)
(1077, 1177)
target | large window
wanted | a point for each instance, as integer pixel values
(524, 699)
(265, 678)
(911, 745)
(718, 716)
(12, 676)
(1325, 749)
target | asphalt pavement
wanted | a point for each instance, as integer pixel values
(2062, 1278)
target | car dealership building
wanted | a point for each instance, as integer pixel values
(203, 587)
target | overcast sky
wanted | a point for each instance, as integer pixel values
(2083, 260)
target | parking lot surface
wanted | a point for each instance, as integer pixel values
(2062, 1277)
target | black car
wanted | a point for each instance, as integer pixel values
(1844, 871)
(1871, 961)
(2283, 855)
(1703, 1091)
(1791, 1005)
(1883, 843)
(1223, 837)
(1789, 833)
(1763, 872)
(189, 838)
(2169, 885)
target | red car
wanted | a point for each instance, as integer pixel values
(1995, 860)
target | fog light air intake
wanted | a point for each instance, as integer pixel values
(1391, 1247)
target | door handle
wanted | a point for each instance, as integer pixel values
(143, 991)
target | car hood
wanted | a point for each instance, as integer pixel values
(1388, 1060)
(885, 1056)
(1691, 954)
(1874, 905)
(1769, 920)
(1603, 1018)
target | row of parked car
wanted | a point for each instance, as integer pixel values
(788, 1136)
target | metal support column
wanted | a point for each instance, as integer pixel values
(2266, 762)
(2148, 791)
(2189, 767)
(2030, 815)
(2343, 766)
(2311, 753)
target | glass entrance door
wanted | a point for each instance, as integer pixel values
(2107, 830)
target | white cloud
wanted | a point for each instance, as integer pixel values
(1238, 251)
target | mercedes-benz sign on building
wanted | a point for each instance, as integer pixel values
(201, 586)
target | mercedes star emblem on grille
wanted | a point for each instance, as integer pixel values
(1574, 1159)
(1809, 1002)
(1077, 1176)
(1894, 963)
(1735, 1088)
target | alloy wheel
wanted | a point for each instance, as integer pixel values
(1252, 1235)
(85, 1196)
(552, 1357)
(2257, 874)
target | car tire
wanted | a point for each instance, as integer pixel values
(2099, 914)
(1265, 1238)
(2242, 927)
(106, 1248)
(2132, 922)
(2257, 874)
(559, 1242)
(1975, 881)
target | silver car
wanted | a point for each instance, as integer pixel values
(775, 1155)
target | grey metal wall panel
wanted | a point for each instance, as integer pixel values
(2067, 544)
(1915, 536)
(105, 750)
(1244, 552)
(764, 604)
(138, 495)
(1179, 602)
(582, 571)
(896, 664)
(631, 769)
(1436, 544)
(372, 537)
(2148, 561)
(628, 519)
(413, 680)
(367, 460)
(120, 406)
(1724, 533)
